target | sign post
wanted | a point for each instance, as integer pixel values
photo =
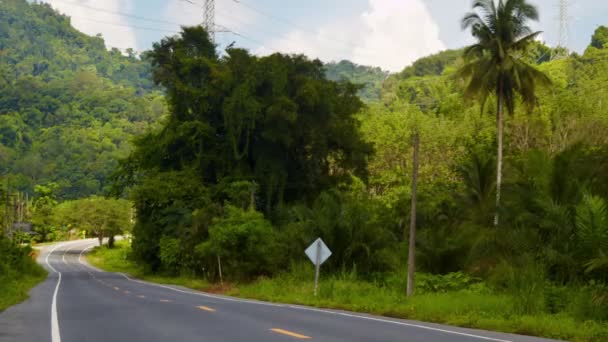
(318, 253)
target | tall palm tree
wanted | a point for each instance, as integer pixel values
(495, 64)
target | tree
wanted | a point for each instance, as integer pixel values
(98, 216)
(495, 64)
(600, 38)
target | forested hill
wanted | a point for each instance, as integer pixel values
(68, 106)
(369, 78)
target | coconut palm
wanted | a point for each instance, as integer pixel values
(495, 65)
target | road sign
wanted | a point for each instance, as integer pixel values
(316, 247)
(318, 253)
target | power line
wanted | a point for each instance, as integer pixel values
(123, 14)
(290, 23)
(285, 21)
(128, 26)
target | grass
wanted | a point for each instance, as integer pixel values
(115, 260)
(473, 308)
(15, 286)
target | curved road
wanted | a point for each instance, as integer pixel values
(78, 303)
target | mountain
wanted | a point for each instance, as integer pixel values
(68, 106)
(369, 78)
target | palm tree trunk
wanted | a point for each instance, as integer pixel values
(499, 131)
(411, 260)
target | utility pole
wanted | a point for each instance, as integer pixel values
(209, 19)
(411, 260)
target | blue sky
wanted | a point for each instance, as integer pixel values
(386, 33)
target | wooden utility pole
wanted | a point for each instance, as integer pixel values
(411, 260)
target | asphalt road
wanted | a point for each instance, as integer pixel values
(78, 303)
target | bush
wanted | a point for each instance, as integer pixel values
(170, 254)
(244, 241)
(443, 283)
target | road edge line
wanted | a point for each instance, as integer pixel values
(55, 333)
(337, 313)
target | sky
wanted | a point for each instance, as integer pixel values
(390, 34)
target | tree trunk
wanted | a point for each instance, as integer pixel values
(100, 238)
(111, 241)
(499, 131)
(411, 260)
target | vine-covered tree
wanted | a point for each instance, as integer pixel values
(275, 121)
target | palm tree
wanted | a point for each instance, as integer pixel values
(495, 64)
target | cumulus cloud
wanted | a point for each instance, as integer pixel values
(90, 21)
(390, 34)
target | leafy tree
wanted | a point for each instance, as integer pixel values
(99, 217)
(600, 38)
(42, 211)
(494, 65)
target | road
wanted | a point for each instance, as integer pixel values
(78, 303)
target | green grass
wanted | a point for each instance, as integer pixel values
(15, 286)
(115, 260)
(474, 308)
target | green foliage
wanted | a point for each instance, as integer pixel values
(245, 243)
(433, 65)
(170, 254)
(18, 272)
(600, 38)
(68, 106)
(370, 79)
(97, 216)
(42, 216)
(592, 231)
(457, 281)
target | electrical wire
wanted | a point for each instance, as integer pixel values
(123, 14)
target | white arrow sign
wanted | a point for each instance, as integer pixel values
(318, 253)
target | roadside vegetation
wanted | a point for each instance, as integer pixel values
(453, 298)
(19, 273)
(238, 162)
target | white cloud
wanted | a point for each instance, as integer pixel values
(90, 21)
(390, 34)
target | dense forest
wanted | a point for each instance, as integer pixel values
(68, 106)
(248, 159)
(370, 79)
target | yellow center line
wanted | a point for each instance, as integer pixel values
(206, 308)
(289, 333)
(165, 301)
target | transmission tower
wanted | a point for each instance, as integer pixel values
(209, 18)
(564, 27)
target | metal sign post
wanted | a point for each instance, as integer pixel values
(318, 253)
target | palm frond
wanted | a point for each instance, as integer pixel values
(524, 42)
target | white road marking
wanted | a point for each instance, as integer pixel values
(64, 252)
(318, 310)
(80, 256)
(55, 335)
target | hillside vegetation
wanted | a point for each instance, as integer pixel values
(370, 79)
(244, 160)
(68, 106)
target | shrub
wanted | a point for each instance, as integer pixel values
(244, 241)
(170, 254)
